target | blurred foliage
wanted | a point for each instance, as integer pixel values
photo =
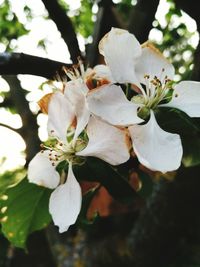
(175, 41)
(11, 27)
(81, 17)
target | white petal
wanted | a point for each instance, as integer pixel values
(106, 142)
(156, 149)
(186, 97)
(103, 71)
(110, 104)
(41, 171)
(65, 202)
(75, 92)
(60, 116)
(152, 63)
(121, 51)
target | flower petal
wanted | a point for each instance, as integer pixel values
(65, 202)
(106, 142)
(110, 104)
(61, 116)
(41, 171)
(103, 71)
(121, 51)
(186, 97)
(156, 149)
(43, 103)
(153, 63)
(75, 92)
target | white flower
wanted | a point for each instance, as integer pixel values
(65, 122)
(77, 89)
(151, 73)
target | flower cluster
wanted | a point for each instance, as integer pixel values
(92, 116)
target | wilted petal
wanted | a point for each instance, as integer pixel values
(153, 63)
(41, 171)
(186, 97)
(75, 92)
(121, 51)
(65, 202)
(106, 142)
(61, 115)
(156, 149)
(110, 104)
(44, 102)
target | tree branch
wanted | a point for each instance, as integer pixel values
(29, 131)
(170, 216)
(142, 16)
(10, 128)
(64, 25)
(19, 63)
(107, 18)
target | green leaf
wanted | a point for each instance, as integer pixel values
(10, 178)
(97, 170)
(191, 150)
(176, 121)
(23, 211)
(147, 184)
(82, 220)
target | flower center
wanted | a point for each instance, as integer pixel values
(153, 92)
(65, 151)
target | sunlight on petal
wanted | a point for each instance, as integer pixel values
(155, 148)
(106, 142)
(65, 202)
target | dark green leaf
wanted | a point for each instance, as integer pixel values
(147, 184)
(25, 209)
(86, 200)
(191, 150)
(97, 170)
(10, 178)
(176, 121)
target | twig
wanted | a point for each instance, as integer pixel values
(20, 63)
(142, 16)
(10, 127)
(64, 25)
